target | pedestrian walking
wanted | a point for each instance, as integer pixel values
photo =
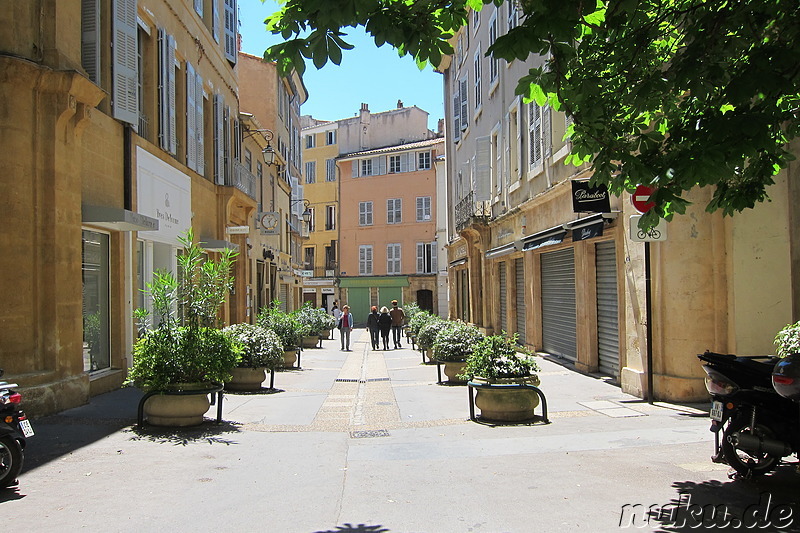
(345, 326)
(372, 325)
(398, 317)
(385, 325)
(336, 312)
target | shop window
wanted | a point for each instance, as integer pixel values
(96, 304)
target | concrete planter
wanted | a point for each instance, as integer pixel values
(452, 369)
(325, 334)
(310, 341)
(177, 410)
(246, 379)
(289, 358)
(504, 402)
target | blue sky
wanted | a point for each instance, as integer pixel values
(368, 74)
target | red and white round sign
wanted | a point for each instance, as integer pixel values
(641, 198)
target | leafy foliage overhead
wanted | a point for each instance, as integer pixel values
(671, 93)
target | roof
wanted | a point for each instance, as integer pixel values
(396, 148)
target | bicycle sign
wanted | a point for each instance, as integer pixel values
(655, 234)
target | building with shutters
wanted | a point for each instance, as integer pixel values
(525, 258)
(121, 130)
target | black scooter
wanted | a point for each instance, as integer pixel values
(15, 428)
(754, 426)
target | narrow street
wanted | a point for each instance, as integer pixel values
(366, 441)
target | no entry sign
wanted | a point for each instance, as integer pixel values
(641, 198)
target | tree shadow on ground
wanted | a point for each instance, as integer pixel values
(766, 504)
(360, 528)
(209, 431)
(263, 391)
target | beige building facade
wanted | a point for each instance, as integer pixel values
(525, 258)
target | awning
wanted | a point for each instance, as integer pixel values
(117, 219)
(216, 245)
(458, 262)
(548, 237)
(502, 250)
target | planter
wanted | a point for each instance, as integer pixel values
(428, 353)
(504, 402)
(246, 379)
(309, 341)
(452, 369)
(325, 334)
(178, 410)
(289, 358)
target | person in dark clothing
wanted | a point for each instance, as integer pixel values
(398, 318)
(385, 325)
(372, 326)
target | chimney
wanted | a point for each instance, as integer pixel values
(440, 128)
(399, 104)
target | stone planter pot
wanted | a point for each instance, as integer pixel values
(310, 341)
(325, 334)
(289, 358)
(452, 369)
(506, 403)
(428, 353)
(177, 410)
(246, 379)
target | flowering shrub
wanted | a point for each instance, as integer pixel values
(454, 342)
(285, 325)
(262, 347)
(788, 340)
(419, 320)
(427, 333)
(498, 356)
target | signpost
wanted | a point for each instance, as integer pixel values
(641, 198)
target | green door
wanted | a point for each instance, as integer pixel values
(358, 300)
(387, 294)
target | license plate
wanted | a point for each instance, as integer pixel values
(27, 429)
(716, 411)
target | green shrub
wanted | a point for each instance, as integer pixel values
(419, 320)
(499, 356)
(260, 346)
(787, 340)
(285, 325)
(427, 333)
(454, 342)
(314, 319)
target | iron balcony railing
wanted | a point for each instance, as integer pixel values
(468, 211)
(243, 179)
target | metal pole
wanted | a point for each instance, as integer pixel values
(648, 325)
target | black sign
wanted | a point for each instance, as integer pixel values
(588, 232)
(586, 199)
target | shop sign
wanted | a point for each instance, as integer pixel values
(165, 194)
(588, 232)
(587, 199)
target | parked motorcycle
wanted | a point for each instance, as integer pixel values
(15, 428)
(754, 426)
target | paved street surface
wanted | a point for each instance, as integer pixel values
(366, 441)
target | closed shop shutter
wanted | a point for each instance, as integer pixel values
(519, 267)
(503, 298)
(607, 312)
(284, 297)
(558, 304)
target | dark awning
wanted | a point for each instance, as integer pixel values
(117, 219)
(502, 250)
(548, 237)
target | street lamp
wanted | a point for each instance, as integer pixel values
(307, 213)
(269, 152)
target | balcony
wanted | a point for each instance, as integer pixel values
(242, 179)
(468, 212)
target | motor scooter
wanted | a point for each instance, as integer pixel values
(15, 429)
(754, 426)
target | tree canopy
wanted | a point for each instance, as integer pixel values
(669, 93)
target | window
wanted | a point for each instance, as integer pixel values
(195, 146)
(513, 144)
(393, 258)
(426, 258)
(534, 135)
(365, 213)
(513, 14)
(478, 92)
(366, 167)
(330, 137)
(493, 62)
(456, 109)
(198, 7)
(476, 19)
(464, 103)
(167, 133)
(231, 30)
(310, 141)
(330, 170)
(96, 301)
(308, 258)
(394, 210)
(311, 171)
(312, 222)
(424, 160)
(330, 257)
(248, 159)
(394, 164)
(423, 208)
(330, 217)
(365, 260)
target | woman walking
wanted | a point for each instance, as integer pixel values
(385, 325)
(372, 326)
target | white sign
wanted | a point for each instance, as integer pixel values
(656, 234)
(237, 230)
(163, 193)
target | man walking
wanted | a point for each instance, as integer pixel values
(345, 326)
(398, 316)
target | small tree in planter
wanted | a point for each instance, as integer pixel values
(452, 345)
(261, 349)
(420, 319)
(503, 369)
(428, 331)
(315, 321)
(286, 327)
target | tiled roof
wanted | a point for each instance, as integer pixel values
(396, 148)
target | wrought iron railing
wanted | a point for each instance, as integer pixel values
(468, 211)
(243, 179)
(144, 127)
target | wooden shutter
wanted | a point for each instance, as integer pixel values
(191, 118)
(483, 168)
(198, 7)
(219, 140)
(464, 104)
(420, 258)
(199, 125)
(125, 85)
(547, 134)
(534, 134)
(90, 39)
(215, 22)
(354, 167)
(231, 22)
(456, 115)
(434, 258)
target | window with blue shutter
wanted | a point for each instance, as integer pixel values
(125, 80)
(231, 30)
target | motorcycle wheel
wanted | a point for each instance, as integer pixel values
(748, 463)
(10, 460)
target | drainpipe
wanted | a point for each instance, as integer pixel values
(127, 171)
(648, 319)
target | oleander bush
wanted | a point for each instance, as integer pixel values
(455, 341)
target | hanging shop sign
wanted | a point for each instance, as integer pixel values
(269, 223)
(587, 199)
(589, 231)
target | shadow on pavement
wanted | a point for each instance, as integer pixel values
(209, 431)
(360, 528)
(766, 504)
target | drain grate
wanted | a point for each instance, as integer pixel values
(369, 433)
(353, 380)
(346, 380)
(378, 379)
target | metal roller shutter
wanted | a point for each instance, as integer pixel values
(558, 304)
(519, 267)
(503, 296)
(607, 312)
